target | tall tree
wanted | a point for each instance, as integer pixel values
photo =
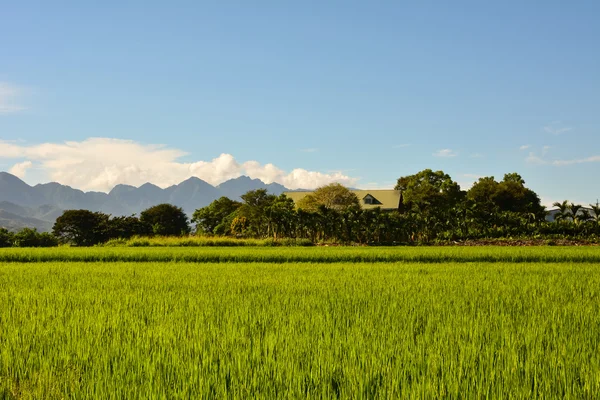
(510, 194)
(253, 212)
(281, 216)
(216, 217)
(166, 220)
(429, 192)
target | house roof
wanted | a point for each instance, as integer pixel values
(387, 199)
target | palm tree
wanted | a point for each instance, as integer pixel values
(596, 209)
(577, 213)
(564, 211)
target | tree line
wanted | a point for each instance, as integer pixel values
(433, 208)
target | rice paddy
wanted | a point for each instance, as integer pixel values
(299, 323)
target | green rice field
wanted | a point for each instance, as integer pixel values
(238, 323)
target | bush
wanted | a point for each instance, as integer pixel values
(28, 237)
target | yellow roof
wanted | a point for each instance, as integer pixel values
(386, 199)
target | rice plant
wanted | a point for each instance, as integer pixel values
(305, 254)
(310, 330)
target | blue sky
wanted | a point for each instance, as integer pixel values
(302, 92)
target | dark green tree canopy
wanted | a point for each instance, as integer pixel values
(510, 194)
(6, 238)
(165, 220)
(429, 192)
(254, 210)
(81, 227)
(214, 218)
(333, 197)
(28, 237)
(126, 227)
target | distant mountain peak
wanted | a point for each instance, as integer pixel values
(44, 202)
(194, 180)
(11, 179)
(149, 185)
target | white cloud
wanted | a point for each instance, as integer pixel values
(577, 161)
(401, 146)
(309, 150)
(556, 128)
(8, 97)
(20, 169)
(101, 163)
(477, 155)
(545, 150)
(445, 153)
(525, 147)
(533, 158)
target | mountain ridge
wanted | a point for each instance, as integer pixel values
(37, 206)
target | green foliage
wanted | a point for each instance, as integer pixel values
(447, 330)
(28, 237)
(429, 192)
(264, 253)
(217, 217)
(6, 238)
(333, 197)
(81, 227)
(596, 210)
(201, 241)
(165, 220)
(125, 228)
(434, 210)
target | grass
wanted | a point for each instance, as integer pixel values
(203, 241)
(310, 330)
(305, 254)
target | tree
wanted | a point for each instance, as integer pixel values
(564, 211)
(508, 195)
(81, 227)
(280, 216)
(253, 213)
(483, 193)
(216, 217)
(429, 192)
(333, 196)
(28, 237)
(596, 210)
(165, 220)
(578, 213)
(6, 238)
(512, 195)
(125, 228)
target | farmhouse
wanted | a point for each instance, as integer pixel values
(387, 200)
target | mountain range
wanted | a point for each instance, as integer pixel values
(22, 205)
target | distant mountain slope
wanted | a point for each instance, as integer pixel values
(14, 222)
(39, 206)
